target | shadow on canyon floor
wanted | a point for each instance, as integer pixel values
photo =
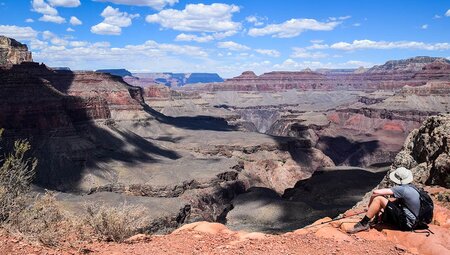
(343, 150)
(60, 128)
(201, 122)
(326, 193)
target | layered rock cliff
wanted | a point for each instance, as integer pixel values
(12, 52)
(393, 75)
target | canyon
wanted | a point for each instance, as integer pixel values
(248, 152)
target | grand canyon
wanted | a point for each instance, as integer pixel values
(249, 164)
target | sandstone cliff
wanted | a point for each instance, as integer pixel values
(12, 52)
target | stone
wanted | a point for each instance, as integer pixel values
(12, 52)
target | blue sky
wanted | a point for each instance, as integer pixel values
(227, 37)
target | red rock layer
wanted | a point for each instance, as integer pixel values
(376, 78)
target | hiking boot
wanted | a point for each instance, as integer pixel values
(358, 228)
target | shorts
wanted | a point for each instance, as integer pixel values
(394, 215)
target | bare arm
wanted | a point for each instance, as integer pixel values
(380, 192)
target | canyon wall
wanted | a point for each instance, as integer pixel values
(12, 52)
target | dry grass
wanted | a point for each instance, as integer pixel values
(114, 223)
(41, 221)
(16, 174)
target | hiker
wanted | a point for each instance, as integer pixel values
(399, 211)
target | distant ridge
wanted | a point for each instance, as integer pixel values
(117, 72)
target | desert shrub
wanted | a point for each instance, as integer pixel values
(41, 221)
(16, 174)
(114, 223)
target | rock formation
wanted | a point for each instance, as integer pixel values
(426, 152)
(393, 75)
(12, 52)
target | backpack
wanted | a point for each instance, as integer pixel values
(426, 209)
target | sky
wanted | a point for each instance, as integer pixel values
(226, 37)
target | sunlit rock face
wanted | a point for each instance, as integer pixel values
(12, 52)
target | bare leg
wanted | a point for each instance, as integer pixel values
(376, 205)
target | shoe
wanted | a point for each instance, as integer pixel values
(358, 228)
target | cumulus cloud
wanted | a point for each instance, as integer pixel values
(54, 19)
(75, 21)
(49, 13)
(271, 53)
(69, 29)
(113, 21)
(54, 39)
(155, 4)
(64, 3)
(198, 18)
(293, 28)
(204, 37)
(303, 53)
(447, 13)
(255, 20)
(195, 38)
(385, 45)
(19, 33)
(230, 45)
(29, 20)
(292, 65)
(42, 7)
(88, 55)
(424, 26)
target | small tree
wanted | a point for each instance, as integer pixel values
(16, 174)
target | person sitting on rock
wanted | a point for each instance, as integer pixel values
(399, 211)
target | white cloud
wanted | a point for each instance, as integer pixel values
(64, 3)
(437, 16)
(85, 55)
(69, 29)
(198, 18)
(271, 53)
(155, 4)
(29, 20)
(424, 26)
(356, 24)
(303, 53)
(18, 33)
(292, 65)
(191, 37)
(293, 28)
(106, 29)
(339, 18)
(42, 7)
(204, 37)
(113, 21)
(75, 21)
(318, 46)
(255, 20)
(49, 13)
(78, 43)
(54, 19)
(384, 45)
(54, 39)
(447, 13)
(230, 45)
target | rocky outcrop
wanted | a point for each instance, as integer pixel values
(426, 152)
(415, 64)
(12, 52)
